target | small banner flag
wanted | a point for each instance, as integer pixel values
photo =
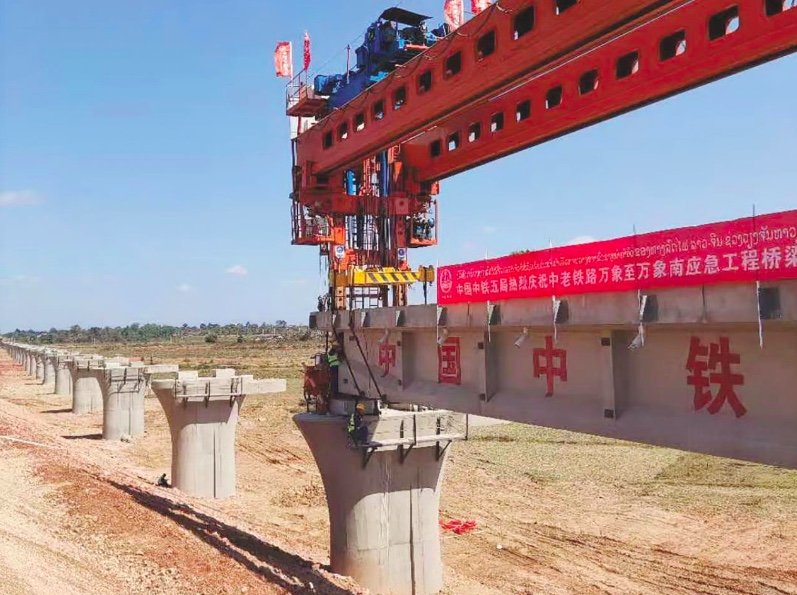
(308, 56)
(455, 13)
(283, 59)
(476, 6)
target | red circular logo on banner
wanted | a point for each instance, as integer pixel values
(446, 281)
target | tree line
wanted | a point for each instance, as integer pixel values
(145, 333)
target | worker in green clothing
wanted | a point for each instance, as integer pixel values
(333, 361)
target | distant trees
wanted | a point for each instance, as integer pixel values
(144, 333)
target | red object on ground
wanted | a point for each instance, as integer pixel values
(457, 526)
(761, 248)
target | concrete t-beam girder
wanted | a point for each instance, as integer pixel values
(704, 369)
(203, 418)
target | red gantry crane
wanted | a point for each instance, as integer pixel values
(374, 143)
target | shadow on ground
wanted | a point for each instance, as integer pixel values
(239, 545)
(83, 437)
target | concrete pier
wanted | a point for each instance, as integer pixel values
(203, 418)
(88, 374)
(167, 371)
(39, 372)
(384, 496)
(123, 392)
(30, 362)
(48, 360)
(63, 375)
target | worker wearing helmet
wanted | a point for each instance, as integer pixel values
(358, 431)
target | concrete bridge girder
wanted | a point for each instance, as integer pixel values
(700, 382)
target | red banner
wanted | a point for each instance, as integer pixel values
(283, 59)
(476, 6)
(761, 248)
(454, 13)
(308, 56)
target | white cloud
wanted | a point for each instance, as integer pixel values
(238, 270)
(184, 288)
(581, 240)
(19, 198)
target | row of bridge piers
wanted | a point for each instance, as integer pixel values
(202, 429)
(382, 491)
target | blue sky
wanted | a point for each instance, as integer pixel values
(144, 163)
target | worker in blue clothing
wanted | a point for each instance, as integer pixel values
(358, 431)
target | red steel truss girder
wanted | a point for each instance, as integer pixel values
(759, 37)
(329, 202)
(553, 36)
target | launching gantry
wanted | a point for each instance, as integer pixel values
(420, 106)
(367, 215)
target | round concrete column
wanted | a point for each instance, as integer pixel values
(123, 403)
(63, 375)
(383, 512)
(30, 363)
(203, 418)
(39, 366)
(87, 379)
(383, 498)
(49, 369)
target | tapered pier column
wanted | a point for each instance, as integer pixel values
(203, 417)
(88, 374)
(63, 374)
(384, 496)
(30, 362)
(39, 365)
(50, 358)
(123, 392)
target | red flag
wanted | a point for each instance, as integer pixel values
(455, 13)
(307, 53)
(476, 6)
(283, 59)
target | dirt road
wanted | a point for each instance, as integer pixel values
(556, 512)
